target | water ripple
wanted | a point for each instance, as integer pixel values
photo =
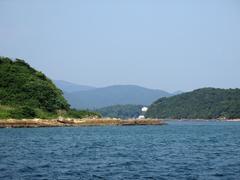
(186, 150)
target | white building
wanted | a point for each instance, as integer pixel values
(144, 109)
(141, 117)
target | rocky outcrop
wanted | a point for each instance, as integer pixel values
(31, 123)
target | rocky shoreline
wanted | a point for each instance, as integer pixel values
(33, 123)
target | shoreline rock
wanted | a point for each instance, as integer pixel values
(33, 123)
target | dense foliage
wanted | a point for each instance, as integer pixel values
(21, 85)
(121, 111)
(206, 103)
(27, 93)
(79, 114)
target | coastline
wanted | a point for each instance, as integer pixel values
(69, 122)
(35, 123)
(232, 120)
(221, 120)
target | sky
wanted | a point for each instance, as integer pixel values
(161, 44)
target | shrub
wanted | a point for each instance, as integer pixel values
(73, 113)
(23, 112)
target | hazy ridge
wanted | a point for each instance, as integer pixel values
(112, 95)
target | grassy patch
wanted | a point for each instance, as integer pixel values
(26, 112)
(5, 112)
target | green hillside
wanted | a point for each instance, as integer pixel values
(27, 93)
(206, 103)
(121, 111)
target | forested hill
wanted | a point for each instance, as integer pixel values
(20, 85)
(28, 93)
(121, 111)
(206, 103)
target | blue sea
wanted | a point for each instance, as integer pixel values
(180, 150)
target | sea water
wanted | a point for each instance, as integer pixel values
(179, 150)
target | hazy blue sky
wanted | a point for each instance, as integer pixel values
(170, 45)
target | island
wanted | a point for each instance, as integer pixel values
(204, 103)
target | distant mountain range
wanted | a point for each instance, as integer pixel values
(71, 87)
(87, 97)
